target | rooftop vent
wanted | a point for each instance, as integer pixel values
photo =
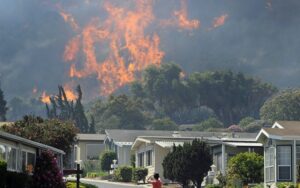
(176, 134)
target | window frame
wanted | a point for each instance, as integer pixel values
(8, 158)
(141, 160)
(290, 165)
(271, 165)
(26, 159)
(149, 159)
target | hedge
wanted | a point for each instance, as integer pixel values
(123, 173)
(140, 174)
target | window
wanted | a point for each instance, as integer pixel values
(28, 161)
(93, 151)
(269, 164)
(284, 159)
(12, 158)
(141, 159)
(2, 152)
(149, 157)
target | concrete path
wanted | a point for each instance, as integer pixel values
(108, 184)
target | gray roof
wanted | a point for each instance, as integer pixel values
(130, 135)
(91, 137)
(28, 142)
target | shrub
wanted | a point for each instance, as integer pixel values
(213, 186)
(46, 171)
(3, 167)
(123, 173)
(247, 167)
(140, 174)
(285, 185)
(106, 159)
(72, 184)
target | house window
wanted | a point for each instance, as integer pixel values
(93, 151)
(141, 159)
(269, 164)
(12, 158)
(284, 159)
(149, 157)
(28, 161)
(2, 152)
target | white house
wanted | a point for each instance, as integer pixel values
(20, 153)
(150, 151)
(281, 152)
(87, 147)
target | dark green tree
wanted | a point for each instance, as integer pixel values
(79, 115)
(53, 132)
(106, 159)
(283, 106)
(246, 121)
(177, 164)
(163, 124)
(92, 125)
(232, 96)
(3, 107)
(210, 123)
(119, 112)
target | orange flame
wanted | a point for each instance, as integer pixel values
(181, 19)
(45, 98)
(71, 96)
(69, 19)
(72, 48)
(219, 21)
(129, 49)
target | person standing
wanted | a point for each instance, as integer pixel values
(155, 181)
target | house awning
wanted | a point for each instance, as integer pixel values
(120, 144)
(243, 144)
(168, 144)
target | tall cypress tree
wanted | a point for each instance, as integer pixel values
(3, 108)
(79, 115)
(64, 109)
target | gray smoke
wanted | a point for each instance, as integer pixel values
(255, 39)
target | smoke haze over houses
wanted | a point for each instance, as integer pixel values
(259, 38)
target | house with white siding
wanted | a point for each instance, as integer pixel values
(281, 152)
(20, 153)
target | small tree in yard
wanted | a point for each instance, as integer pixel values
(189, 162)
(106, 159)
(247, 167)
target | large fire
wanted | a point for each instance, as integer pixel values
(127, 46)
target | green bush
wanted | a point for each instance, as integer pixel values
(96, 174)
(3, 167)
(72, 184)
(213, 186)
(285, 185)
(140, 174)
(106, 159)
(123, 173)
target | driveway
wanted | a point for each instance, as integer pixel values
(107, 184)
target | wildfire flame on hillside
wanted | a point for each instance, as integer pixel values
(45, 98)
(130, 48)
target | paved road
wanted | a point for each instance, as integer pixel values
(105, 184)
